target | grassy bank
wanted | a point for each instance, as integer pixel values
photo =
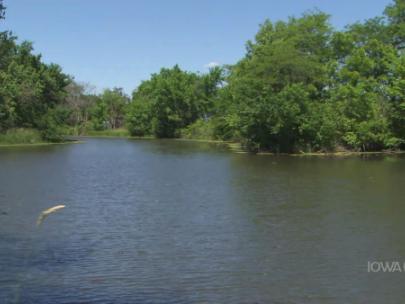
(113, 133)
(26, 137)
(198, 134)
(21, 137)
(108, 133)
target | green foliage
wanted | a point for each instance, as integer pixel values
(51, 125)
(138, 119)
(20, 136)
(300, 87)
(396, 23)
(366, 97)
(110, 132)
(200, 129)
(80, 102)
(109, 109)
(29, 89)
(396, 95)
(172, 100)
(271, 91)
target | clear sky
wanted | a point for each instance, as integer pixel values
(121, 42)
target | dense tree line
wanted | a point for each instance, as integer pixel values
(301, 86)
(90, 111)
(172, 100)
(35, 95)
(30, 90)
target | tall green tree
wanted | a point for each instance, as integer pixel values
(173, 98)
(270, 90)
(109, 109)
(30, 90)
(395, 14)
(28, 87)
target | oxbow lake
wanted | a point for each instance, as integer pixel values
(163, 221)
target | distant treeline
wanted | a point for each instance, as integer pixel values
(301, 86)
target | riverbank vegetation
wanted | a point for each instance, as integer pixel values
(31, 93)
(301, 86)
(20, 136)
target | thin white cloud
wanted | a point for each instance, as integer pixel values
(211, 65)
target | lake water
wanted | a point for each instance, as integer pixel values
(160, 221)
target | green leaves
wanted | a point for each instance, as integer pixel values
(109, 109)
(29, 89)
(172, 100)
(300, 87)
(270, 91)
(396, 23)
(303, 87)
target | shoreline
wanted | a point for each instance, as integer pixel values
(326, 154)
(38, 144)
(235, 147)
(155, 138)
(112, 136)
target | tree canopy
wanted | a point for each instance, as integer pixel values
(172, 100)
(301, 86)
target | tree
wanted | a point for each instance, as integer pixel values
(171, 98)
(108, 111)
(138, 119)
(207, 89)
(362, 93)
(269, 92)
(79, 101)
(395, 14)
(303, 86)
(29, 89)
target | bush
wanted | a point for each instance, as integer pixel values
(20, 136)
(51, 125)
(201, 129)
(138, 119)
(110, 132)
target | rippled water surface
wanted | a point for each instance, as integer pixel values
(182, 222)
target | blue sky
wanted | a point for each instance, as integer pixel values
(121, 42)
